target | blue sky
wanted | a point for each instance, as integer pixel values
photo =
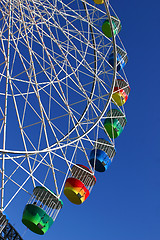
(125, 202)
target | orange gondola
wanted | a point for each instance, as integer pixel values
(79, 184)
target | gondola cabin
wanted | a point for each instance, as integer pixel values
(99, 1)
(41, 210)
(120, 92)
(102, 155)
(114, 123)
(122, 59)
(79, 184)
(106, 28)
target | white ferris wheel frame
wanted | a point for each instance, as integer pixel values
(7, 154)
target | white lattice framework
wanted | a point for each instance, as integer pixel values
(55, 87)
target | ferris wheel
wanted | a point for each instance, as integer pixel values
(62, 94)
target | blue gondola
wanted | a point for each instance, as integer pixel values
(102, 154)
(122, 59)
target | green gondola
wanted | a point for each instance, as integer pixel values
(41, 210)
(116, 24)
(114, 123)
